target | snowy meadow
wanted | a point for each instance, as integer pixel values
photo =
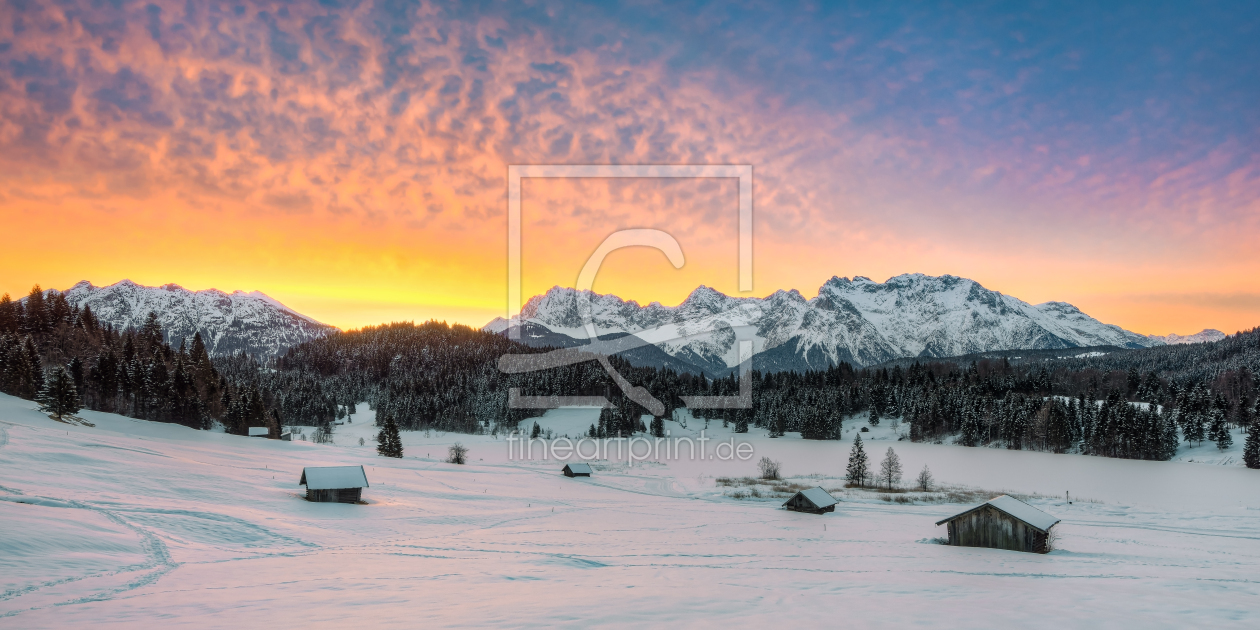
(129, 523)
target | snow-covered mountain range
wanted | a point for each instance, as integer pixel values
(1205, 336)
(858, 321)
(228, 322)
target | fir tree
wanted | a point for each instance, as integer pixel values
(1194, 426)
(1220, 430)
(857, 471)
(30, 371)
(1171, 438)
(1251, 449)
(75, 369)
(151, 332)
(658, 427)
(8, 315)
(970, 428)
(388, 442)
(58, 397)
(890, 469)
(534, 433)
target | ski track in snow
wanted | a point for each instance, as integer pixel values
(159, 564)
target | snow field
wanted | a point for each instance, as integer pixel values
(133, 524)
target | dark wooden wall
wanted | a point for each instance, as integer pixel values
(988, 527)
(344, 495)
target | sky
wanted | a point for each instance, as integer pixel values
(350, 158)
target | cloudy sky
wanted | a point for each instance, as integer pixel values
(350, 158)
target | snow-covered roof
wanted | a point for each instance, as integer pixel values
(579, 468)
(1015, 508)
(333, 477)
(819, 497)
(256, 431)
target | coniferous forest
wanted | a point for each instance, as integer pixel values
(1137, 404)
(130, 372)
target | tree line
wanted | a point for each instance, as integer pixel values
(438, 376)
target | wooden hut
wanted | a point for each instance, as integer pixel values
(1001, 523)
(334, 484)
(577, 470)
(812, 500)
(259, 432)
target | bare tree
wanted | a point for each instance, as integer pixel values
(890, 469)
(924, 481)
(769, 468)
(456, 454)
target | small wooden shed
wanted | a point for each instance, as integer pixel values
(334, 484)
(1001, 523)
(259, 432)
(577, 470)
(812, 500)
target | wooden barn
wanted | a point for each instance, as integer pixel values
(334, 484)
(1002, 523)
(812, 500)
(577, 470)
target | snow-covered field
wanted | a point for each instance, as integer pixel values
(137, 524)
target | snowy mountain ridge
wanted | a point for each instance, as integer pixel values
(1206, 335)
(857, 320)
(228, 322)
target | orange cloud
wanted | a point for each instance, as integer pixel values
(351, 162)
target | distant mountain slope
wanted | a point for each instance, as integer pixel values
(856, 321)
(1204, 336)
(228, 322)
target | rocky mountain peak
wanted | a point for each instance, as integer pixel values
(240, 322)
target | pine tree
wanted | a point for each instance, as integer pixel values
(388, 442)
(36, 313)
(890, 469)
(152, 330)
(8, 315)
(30, 370)
(658, 427)
(857, 471)
(1194, 426)
(1220, 430)
(534, 433)
(1251, 449)
(59, 396)
(1171, 439)
(970, 428)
